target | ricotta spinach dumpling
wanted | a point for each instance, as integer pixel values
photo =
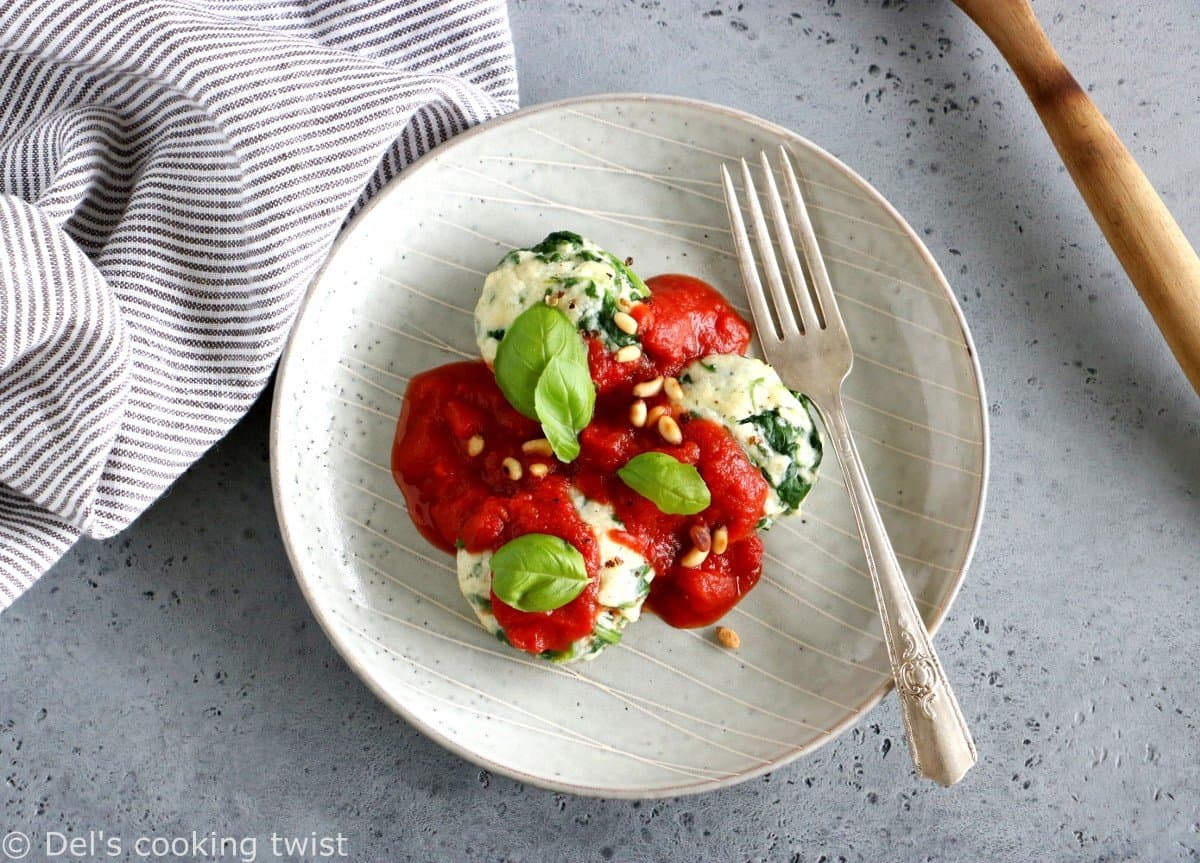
(590, 286)
(611, 450)
(622, 583)
(773, 425)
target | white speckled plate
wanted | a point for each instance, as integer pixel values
(667, 711)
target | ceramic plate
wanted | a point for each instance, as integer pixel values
(667, 711)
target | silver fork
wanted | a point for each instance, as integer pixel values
(805, 340)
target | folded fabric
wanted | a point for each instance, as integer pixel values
(172, 174)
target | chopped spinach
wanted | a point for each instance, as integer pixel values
(783, 437)
(606, 635)
(589, 255)
(554, 241)
(814, 436)
(604, 324)
(793, 488)
(565, 655)
(480, 602)
(571, 250)
(498, 335)
(563, 245)
(780, 434)
(644, 576)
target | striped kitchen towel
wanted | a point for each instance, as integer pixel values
(172, 173)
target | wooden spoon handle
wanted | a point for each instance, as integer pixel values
(1147, 240)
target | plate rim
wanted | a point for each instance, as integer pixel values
(341, 645)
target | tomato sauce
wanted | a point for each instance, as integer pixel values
(460, 493)
(542, 507)
(684, 320)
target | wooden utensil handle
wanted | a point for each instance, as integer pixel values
(1160, 262)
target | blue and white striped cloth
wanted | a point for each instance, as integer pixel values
(172, 173)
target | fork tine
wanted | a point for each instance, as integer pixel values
(745, 255)
(808, 241)
(809, 319)
(787, 321)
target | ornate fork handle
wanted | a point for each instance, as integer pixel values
(940, 743)
(813, 352)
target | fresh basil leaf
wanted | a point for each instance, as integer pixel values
(538, 572)
(539, 334)
(674, 487)
(564, 400)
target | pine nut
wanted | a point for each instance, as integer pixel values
(637, 414)
(693, 558)
(539, 469)
(669, 429)
(537, 446)
(512, 468)
(673, 390)
(728, 638)
(624, 304)
(700, 537)
(475, 445)
(646, 389)
(626, 323)
(720, 540)
(629, 354)
(655, 412)
(552, 299)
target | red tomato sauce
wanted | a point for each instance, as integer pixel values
(685, 319)
(455, 497)
(544, 506)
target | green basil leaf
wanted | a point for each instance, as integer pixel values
(674, 487)
(538, 572)
(539, 334)
(564, 400)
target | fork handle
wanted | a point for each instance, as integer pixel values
(938, 738)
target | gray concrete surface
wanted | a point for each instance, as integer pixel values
(173, 680)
